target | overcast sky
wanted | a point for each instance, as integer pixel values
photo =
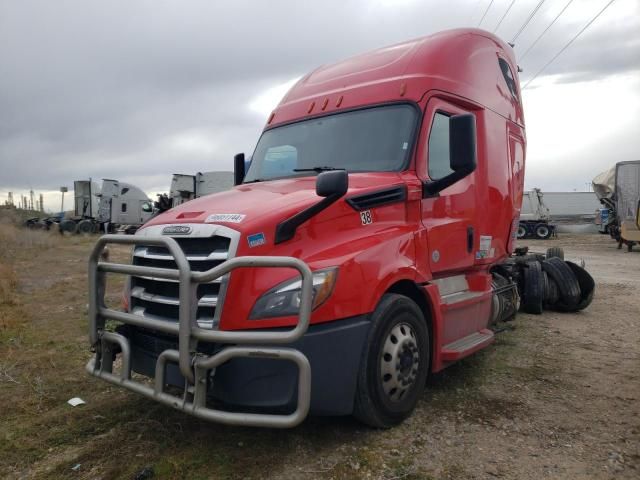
(138, 90)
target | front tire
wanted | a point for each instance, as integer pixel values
(394, 364)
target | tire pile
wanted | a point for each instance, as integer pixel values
(550, 282)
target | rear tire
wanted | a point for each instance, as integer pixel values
(587, 285)
(566, 281)
(86, 227)
(533, 288)
(522, 231)
(542, 231)
(557, 252)
(394, 364)
(68, 226)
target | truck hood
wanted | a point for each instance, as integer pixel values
(247, 207)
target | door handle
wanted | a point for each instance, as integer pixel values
(470, 239)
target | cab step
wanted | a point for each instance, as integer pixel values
(466, 345)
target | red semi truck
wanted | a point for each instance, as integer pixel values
(366, 245)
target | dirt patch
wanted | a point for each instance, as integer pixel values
(556, 397)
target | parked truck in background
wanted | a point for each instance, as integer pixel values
(535, 216)
(368, 245)
(604, 188)
(188, 187)
(109, 207)
(627, 203)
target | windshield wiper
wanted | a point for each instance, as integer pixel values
(317, 169)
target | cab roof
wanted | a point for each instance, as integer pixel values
(463, 62)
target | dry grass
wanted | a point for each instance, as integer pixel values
(509, 404)
(15, 241)
(8, 283)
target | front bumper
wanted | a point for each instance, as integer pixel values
(195, 367)
(270, 384)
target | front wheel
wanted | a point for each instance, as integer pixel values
(394, 364)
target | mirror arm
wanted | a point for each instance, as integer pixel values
(434, 187)
(287, 228)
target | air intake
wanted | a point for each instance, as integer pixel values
(379, 198)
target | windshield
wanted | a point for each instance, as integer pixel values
(375, 139)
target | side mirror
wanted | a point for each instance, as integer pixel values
(462, 153)
(332, 183)
(238, 169)
(147, 207)
(462, 142)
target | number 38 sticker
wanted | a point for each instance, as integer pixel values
(366, 217)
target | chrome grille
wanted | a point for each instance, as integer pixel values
(159, 298)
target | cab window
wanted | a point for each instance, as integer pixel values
(438, 153)
(508, 78)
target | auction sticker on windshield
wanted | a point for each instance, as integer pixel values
(225, 217)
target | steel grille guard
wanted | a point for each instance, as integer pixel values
(194, 367)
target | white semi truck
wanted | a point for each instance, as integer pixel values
(113, 206)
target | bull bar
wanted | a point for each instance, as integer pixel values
(194, 366)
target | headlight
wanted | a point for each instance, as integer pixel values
(284, 300)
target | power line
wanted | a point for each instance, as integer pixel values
(545, 31)
(485, 12)
(568, 43)
(503, 16)
(524, 25)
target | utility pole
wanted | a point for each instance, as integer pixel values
(42, 203)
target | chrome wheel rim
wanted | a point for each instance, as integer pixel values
(399, 362)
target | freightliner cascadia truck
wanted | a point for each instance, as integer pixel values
(368, 244)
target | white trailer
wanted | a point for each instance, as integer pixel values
(574, 207)
(534, 216)
(187, 187)
(627, 198)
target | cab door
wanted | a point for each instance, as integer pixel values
(450, 216)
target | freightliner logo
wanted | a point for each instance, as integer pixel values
(176, 230)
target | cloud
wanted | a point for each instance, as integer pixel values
(140, 90)
(264, 103)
